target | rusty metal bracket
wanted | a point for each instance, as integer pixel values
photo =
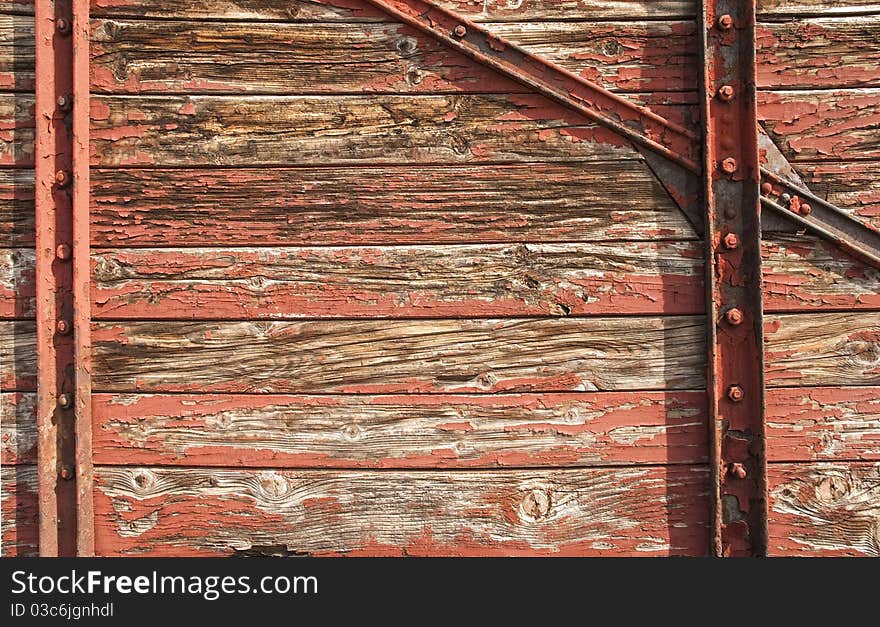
(735, 368)
(62, 268)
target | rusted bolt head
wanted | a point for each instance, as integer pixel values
(62, 178)
(805, 209)
(63, 327)
(460, 30)
(737, 470)
(724, 22)
(729, 165)
(725, 93)
(62, 26)
(65, 401)
(66, 473)
(766, 188)
(733, 316)
(735, 393)
(63, 251)
(64, 102)
(731, 241)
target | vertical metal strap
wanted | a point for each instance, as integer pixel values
(731, 180)
(60, 186)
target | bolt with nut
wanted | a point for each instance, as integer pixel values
(734, 316)
(731, 241)
(724, 22)
(459, 31)
(729, 165)
(737, 470)
(725, 93)
(735, 393)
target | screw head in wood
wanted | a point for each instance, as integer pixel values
(735, 393)
(459, 31)
(805, 209)
(62, 26)
(63, 327)
(66, 473)
(725, 93)
(731, 241)
(724, 22)
(65, 103)
(63, 251)
(65, 401)
(734, 316)
(62, 178)
(737, 470)
(729, 165)
(766, 188)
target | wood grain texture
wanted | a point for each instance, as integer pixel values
(17, 130)
(822, 349)
(468, 281)
(823, 424)
(382, 356)
(279, 131)
(18, 504)
(854, 186)
(16, 208)
(804, 273)
(835, 125)
(18, 356)
(17, 282)
(587, 202)
(786, 9)
(400, 431)
(191, 511)
(16, 53)
(18, 419)
(824, 509)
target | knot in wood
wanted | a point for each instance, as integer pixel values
(351, 432)
(273, 486)
(144, 480)
(535, 505)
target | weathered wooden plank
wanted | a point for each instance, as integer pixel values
(18, 355)
(623, 511)
(18, 503)
(824, 509)
(822, 423)
(393, 281)
(804, 273)
(382, 205)
(277, 130)
(384, 356)
(822, 349)
(17, 282)
(16, 208)
(18, 418)
(16, 130)
(401, 431)
(823, 125)
(16, 52)
(854, 186)
(776, 9)
(819, 53)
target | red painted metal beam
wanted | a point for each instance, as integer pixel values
(61, 191)
(731, 196)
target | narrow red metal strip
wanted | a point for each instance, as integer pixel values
(731, 180)
(55, 181)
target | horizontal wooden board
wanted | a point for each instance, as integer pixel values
(552, 202)
(17, 282)
(395, 281)
(16, 53)
(787, 9)
(18, 355)
(838, 125)
(18, 503)
(16, 130)
(16, 208)
(303, 130)
(192, 511)
(854, 186)
(824, 509)
(821, 423)
(18, 418)
(401, 431)
(805, 273)
(381, 356)
(822, 349)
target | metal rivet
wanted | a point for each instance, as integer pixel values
(734, 316)
(729, 165)
(62, 178)
(735, 393)
(460, 31)
(737, 470)
(805, 209)
(66, 473)
(785, 198)
(766, 188)
(724, 22)
(62, 26)
(725, 93)
(63, 251)
(65, 103)
(63, 327)
(65, 401)
(731, 241)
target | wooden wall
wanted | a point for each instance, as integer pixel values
(354, 294)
